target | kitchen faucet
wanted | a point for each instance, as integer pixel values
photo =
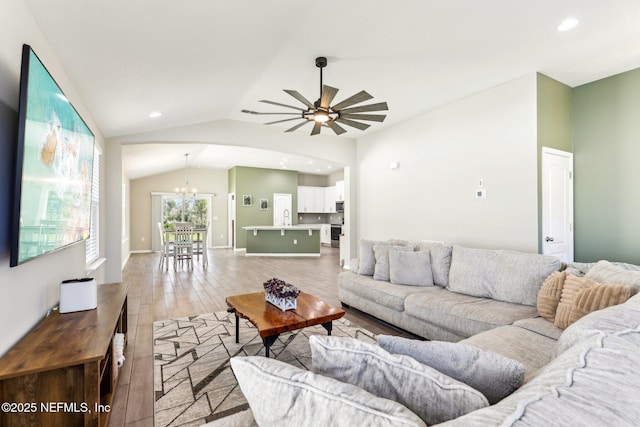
(286, 218)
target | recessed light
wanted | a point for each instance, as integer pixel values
(330, 167)
(568, 24)
(155, 114)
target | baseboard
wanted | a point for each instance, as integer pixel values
(283, 254)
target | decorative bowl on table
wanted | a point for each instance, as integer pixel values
(281, 294)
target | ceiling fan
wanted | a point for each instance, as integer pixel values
(322, 113)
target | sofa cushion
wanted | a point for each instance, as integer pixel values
(431, 395)
(618, 273)
(440, 261)
(500, 275)
(463, 314)
(550, 294)
(381, 269)
(608, 321)
(529, 348)
(383, 293)
(494, 375)
(366, 257)
(541, 326)
(410, 268)
(593, 383)
(280, 394)
(581, 296)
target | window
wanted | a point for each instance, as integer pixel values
(189, 209)
(93, 243)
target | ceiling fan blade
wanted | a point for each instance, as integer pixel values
(257, 112)
(299, 97)
(299, 125)
(282, 105)
(357, 125)
(371, 117)
(339, 130)
(371, 107)
(284, 120)
(328, 93)
(355, 99)
(316, 128)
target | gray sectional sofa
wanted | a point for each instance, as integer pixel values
(584, 375)
(473, 290)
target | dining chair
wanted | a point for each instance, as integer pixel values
(166, 251)
(200, 244)
(182, 246)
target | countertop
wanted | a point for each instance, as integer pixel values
(283, 227)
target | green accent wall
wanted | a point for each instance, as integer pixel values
(607, 169)
(554, 126)
(260, 183)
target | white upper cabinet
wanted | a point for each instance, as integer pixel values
(310, 199)
(330, 199)
(339, 190)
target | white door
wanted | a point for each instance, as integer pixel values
(557, 204)
(282, 209)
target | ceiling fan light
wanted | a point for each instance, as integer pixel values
(321, 116)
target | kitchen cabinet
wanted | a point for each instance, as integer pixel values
(340, 190)
(310, 199)
(330, 199)
(325, 234)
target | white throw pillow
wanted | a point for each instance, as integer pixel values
(381, 269)
(410, 268)
(430, 394)
(366, 257)
(493, 374)
(283, 395)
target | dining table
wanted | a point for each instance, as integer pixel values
(199, 242)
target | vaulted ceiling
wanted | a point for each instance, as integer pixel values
(205, 60)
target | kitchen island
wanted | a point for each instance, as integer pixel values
(290, 240)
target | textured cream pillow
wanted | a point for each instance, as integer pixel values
(581, 296)
(549, 295)
(573, 285)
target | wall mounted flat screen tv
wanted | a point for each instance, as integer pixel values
(54, 166)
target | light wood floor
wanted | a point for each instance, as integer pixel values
(156, 294)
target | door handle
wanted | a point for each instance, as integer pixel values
(549, 239)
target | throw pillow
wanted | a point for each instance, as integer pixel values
(366, 257)
(597, 297)
(581, 296)
(430, 394)
(492, 374)
(280, 394)
(549, 295)
(502, 275)
(618, 273)
(410, 268)
(440, 262)
(572, 287)
(381, 269)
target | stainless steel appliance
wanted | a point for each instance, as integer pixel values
(336, 231)
(340, 206)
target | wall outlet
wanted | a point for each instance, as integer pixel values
(295, 241)
(142, 239)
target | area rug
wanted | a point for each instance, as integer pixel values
(193, 380)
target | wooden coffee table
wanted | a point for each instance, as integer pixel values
(271, 321)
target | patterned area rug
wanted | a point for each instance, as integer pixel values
(193, 380)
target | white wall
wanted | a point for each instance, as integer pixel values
(29, 290)
(442, 154)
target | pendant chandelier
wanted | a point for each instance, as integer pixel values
(186, 191)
